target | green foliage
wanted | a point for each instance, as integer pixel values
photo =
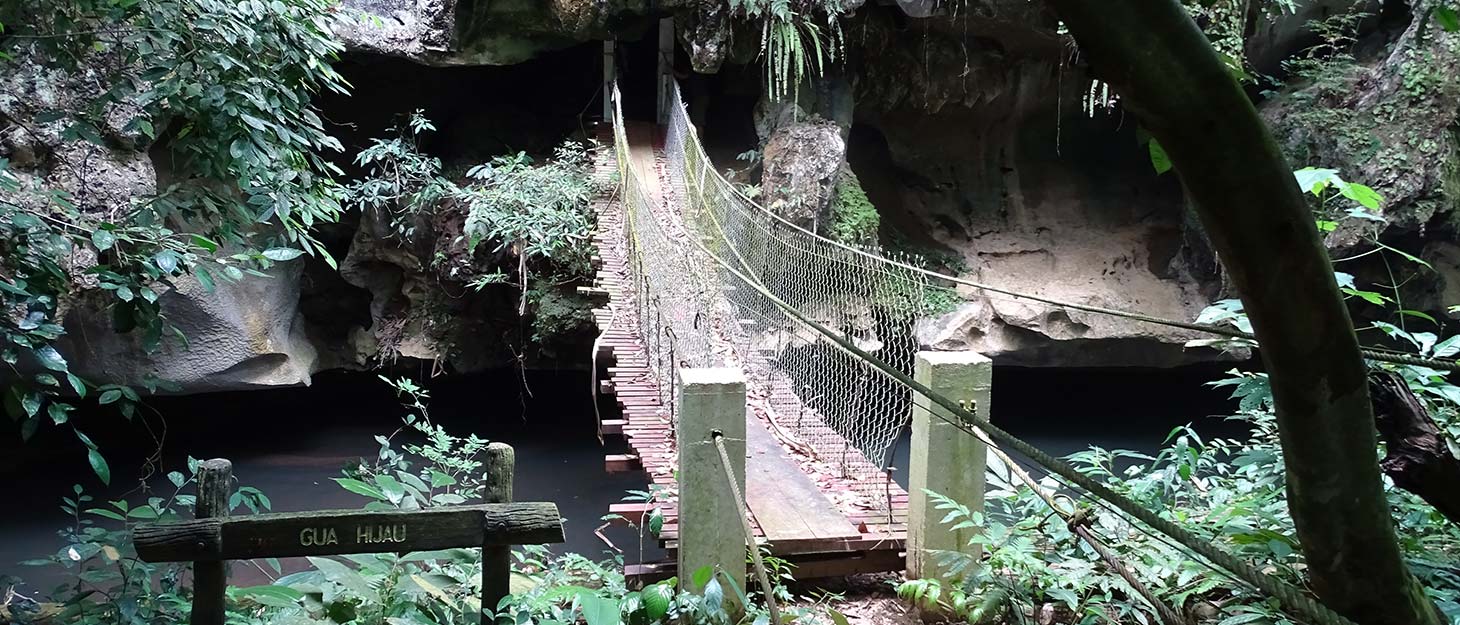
(793, 44)
(224, 89)
(106, 583)
(511, 221)
(1233, 490)
(540, 210)
(401, 183)
(854, 220)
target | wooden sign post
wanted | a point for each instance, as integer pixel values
(213, 537)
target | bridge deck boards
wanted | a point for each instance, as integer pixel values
(785, 502)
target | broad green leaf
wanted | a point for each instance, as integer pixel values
(1159, 160)
(1447, 18)
(274, 596)
(390, 487)
(1314, 180)
(345, 576)
(76, 385)
(103, 240)
(599, 610)
(702, 576)
(282, 254)
(109, 396)
(1447, 348)
(439, 479)
(360, 488)
(656, 599)
(50, 358)
(205, 243)
(1366, 197)
(59, 412)
(99, 466)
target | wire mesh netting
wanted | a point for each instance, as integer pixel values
(670, 292)
(820, 400)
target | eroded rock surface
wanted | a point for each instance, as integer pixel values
(801, 164)
(994, 171)
(243, 335)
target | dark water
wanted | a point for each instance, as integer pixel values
(1063, 411)
(289, 442)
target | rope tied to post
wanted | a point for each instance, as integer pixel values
(718, 438)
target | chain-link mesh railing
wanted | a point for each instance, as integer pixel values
(830, 404)
(670, 294)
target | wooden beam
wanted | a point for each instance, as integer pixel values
(619, 463)
(334, 532)
(500, 464)
(210, 579)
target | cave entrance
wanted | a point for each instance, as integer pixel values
(636, 63)
(290, 442)
(479, 111)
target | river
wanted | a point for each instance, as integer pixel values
(290, 442)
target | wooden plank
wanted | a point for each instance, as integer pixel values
(786, 503)
(813, 566)
(334, 532)
(618, 463)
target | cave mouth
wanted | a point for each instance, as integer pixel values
(479, 111)
(290, 442)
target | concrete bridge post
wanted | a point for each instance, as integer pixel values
(943, 458)
(710, 534)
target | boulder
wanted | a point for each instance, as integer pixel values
(801, 162)
(244, 335)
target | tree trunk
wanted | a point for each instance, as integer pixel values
(1168, 74)
(1417, 458)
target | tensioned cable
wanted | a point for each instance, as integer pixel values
(1371, 353)
(1049, 467)
(1293, 598)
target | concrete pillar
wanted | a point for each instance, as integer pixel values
(710, 533)
(943, 458)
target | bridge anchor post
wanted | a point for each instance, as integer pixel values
(944, 459)
(710, 534)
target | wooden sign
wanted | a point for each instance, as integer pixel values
(334, 532)
(213, 537)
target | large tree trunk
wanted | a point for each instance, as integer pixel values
(1416, 455)
(1167, 73)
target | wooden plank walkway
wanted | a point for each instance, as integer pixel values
(812, 517)
(788, 505)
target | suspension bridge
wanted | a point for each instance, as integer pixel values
(729, 328)
(820, 425)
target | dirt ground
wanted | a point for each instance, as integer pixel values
(864, 599)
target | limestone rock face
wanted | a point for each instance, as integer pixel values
(1387, 120)
(244, 335)
(801, 164)
(483, 32)
(995, 173)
